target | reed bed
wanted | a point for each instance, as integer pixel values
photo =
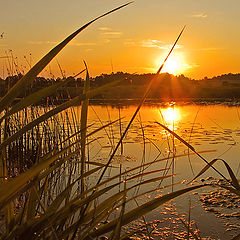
(51, 189)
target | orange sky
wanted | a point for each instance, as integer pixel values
(134, 39)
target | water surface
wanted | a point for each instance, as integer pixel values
(213, 128)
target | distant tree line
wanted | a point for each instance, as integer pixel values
(167, 86)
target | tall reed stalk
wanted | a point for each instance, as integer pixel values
(40, 152)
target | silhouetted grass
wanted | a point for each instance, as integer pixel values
(44, 169)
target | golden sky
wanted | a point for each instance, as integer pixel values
(134, 39)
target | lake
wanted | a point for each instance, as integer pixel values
(213, 130)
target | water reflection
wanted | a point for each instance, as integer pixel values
(171, 114)
(206, 128)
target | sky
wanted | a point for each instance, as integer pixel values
(135, 39)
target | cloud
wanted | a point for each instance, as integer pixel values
(36, 42)
(78, 44)
(104, 29)
(83, 44)
(109, 33)
(106, 41)
(112, 34)
(190, 66)
(150, 43)
(199, 15)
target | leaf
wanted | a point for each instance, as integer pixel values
(177, 136)
(138, 108)
(100, 212)
(60, 108)
(38, 67)
(31, 204)
(117, 231)
(59, 199)
(34, 98)
(84, 113)
(237, 237)
(205, 169)
(12, 188)
(142, 210)
(235, 182)
(135, 168)
(192, 148)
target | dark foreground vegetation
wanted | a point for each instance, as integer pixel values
(50, 187)
(132, 86)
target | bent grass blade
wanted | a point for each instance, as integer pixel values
(138, 108)
(38, 67)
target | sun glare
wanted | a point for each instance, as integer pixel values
(174, 65)
(171, 115)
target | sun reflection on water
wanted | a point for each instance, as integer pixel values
(171, 116)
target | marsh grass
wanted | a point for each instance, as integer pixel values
(47, 186)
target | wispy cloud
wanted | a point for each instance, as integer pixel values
(190, 66)
(37, 42)
(106, 41)
(153, 44)
(111, 34)
(105, 29)
(209, 49)
(78, 44)
(150, 43)
(83, 44)
(199, 15)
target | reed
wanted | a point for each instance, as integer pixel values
(45, 191)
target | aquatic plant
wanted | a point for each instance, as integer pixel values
(44, 169)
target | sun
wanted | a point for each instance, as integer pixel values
(174, 65)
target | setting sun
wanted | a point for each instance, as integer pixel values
(172, 66)
(175, 64)
(108, 110)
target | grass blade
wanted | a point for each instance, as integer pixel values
(84, 113)
(117, 231)
(142, 210)
(235, 182)
(138, 108)
(38, 67)
(192, 148)
(34, 98)
(60, 108)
